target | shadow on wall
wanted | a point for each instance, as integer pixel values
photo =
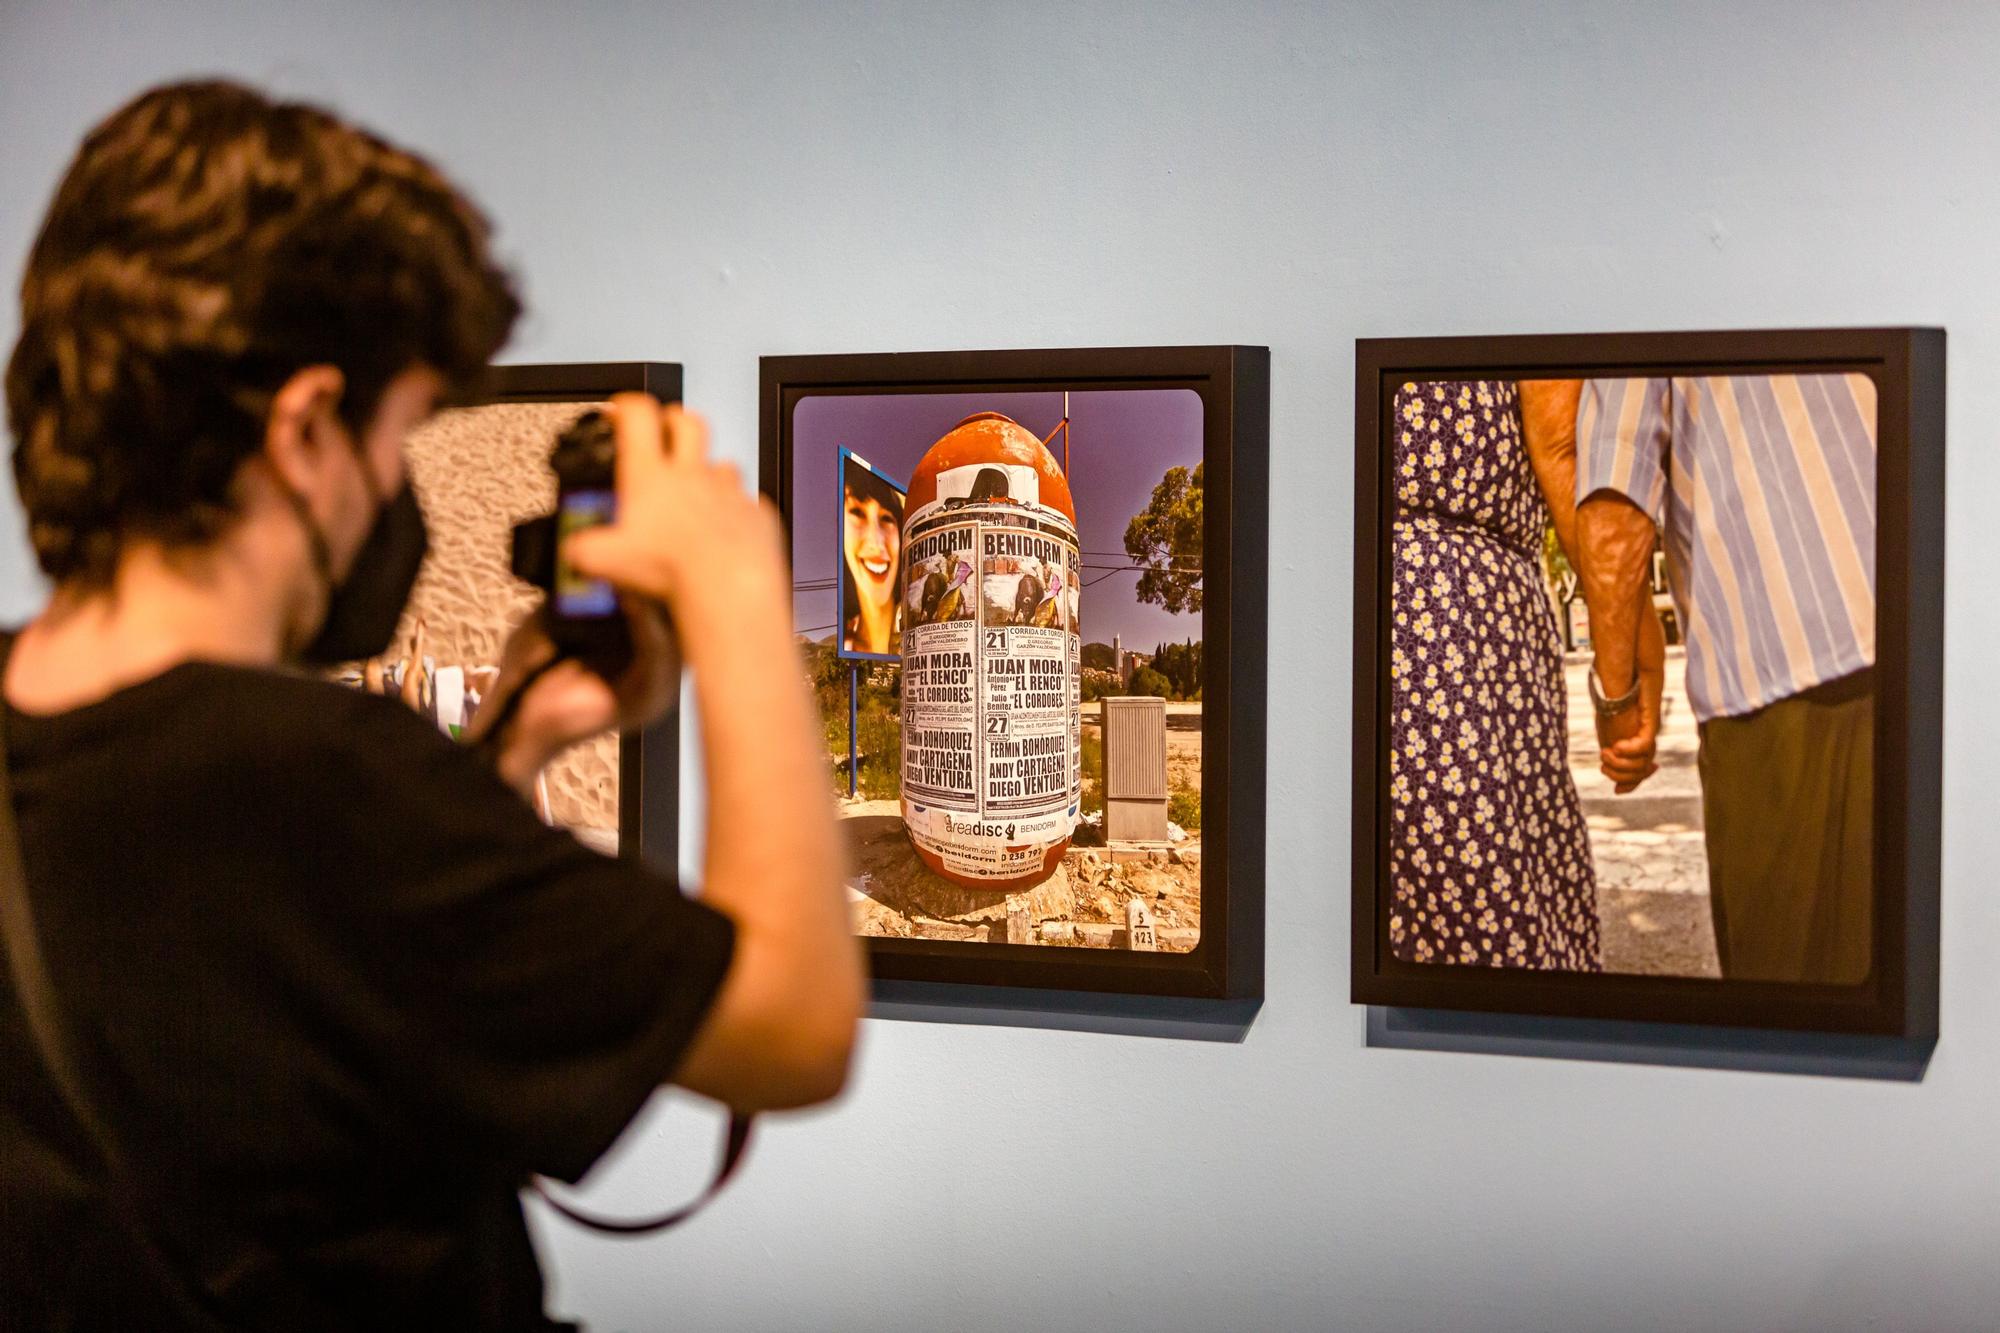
(1067, 1011)
(1828, 1054)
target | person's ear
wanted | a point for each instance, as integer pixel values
(304, 426)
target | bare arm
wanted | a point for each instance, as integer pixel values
(1609, 542)
(1615, 538)
(1548, 429)
(1615, 548)
(1607, 539)
(782, 1028)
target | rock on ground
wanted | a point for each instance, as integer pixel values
(1081, 905)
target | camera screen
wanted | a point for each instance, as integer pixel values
(576, 595)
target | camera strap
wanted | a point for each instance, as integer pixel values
(734, 1145)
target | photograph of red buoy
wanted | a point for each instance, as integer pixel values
(1017, 752)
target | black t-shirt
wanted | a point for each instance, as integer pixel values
(336, 989)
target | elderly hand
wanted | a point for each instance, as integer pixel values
(1629, 742)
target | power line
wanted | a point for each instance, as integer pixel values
(1179, 569)
(1142, 559)
(1127, 555)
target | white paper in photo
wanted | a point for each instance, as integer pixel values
(449, 684)
(1022, 481)
(1002, 591)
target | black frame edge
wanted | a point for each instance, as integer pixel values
(1249, 645)
(1924, 655)
(1909, 366)
(1234, 380)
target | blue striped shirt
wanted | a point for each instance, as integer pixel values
(1764, 488)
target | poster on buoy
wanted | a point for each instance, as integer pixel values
(989, 693)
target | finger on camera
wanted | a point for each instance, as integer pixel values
(635, 419)
(685, 433)
(599, 553)
(626, 564)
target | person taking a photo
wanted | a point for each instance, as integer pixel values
(334, 991)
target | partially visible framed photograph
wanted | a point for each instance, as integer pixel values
(479, 468)
(1648, 676)
(1029, 595)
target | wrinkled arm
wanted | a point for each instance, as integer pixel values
(1615, 555)
(1548, 429)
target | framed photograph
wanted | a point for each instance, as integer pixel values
(1029, 595)
(1648, 679)
(479, 468)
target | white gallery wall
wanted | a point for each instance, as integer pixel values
(710, 182)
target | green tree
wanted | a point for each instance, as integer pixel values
(1148, 681)
(1166, 541)
(1180, 663)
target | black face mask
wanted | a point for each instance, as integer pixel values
(363, 610)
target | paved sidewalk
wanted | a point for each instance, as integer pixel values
(1652, 869)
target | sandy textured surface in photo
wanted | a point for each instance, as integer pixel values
(1082, 905)
(478, 471)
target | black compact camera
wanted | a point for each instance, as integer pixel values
(583, 615)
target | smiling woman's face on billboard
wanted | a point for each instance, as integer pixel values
(871, 546)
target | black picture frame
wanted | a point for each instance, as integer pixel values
(1900, 998)
(1233, 383)
(649, 759)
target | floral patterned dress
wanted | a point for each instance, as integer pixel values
(1489, 856)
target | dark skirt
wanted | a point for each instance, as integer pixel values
(1489, 856)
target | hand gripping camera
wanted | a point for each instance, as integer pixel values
(583, 615)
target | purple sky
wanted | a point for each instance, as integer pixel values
(1122, 442)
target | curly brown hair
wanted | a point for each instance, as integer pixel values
(205, 245)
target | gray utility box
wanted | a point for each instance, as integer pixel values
(1135, 769)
